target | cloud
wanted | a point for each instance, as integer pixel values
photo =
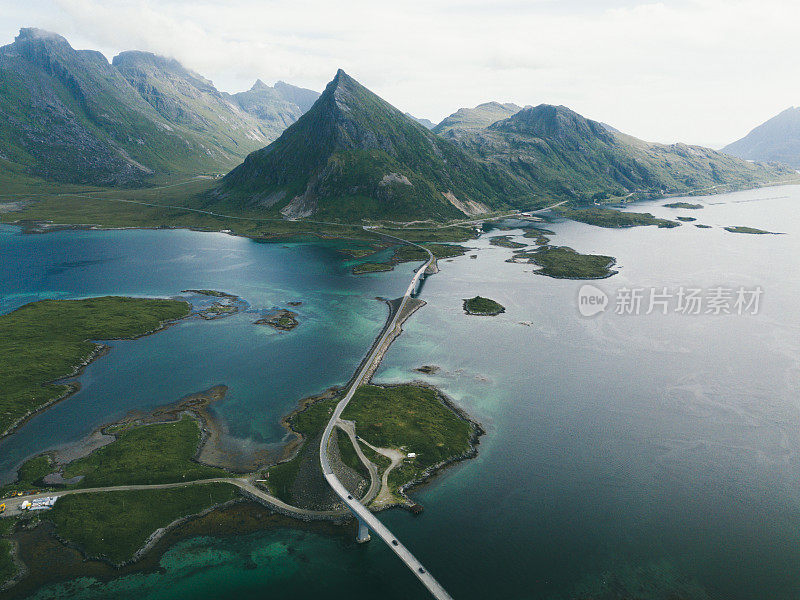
(694, 70)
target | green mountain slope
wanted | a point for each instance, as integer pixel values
(69, 115)
(354, 156)
(187, 99)
(563, 154)
(775, 140)
(466, 120)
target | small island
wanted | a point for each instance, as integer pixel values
(282, 320)
(562, 262)
(683, 205)
(505, 241)
(409, 253)
(484, 307)
(750, 230)
(611, 218)
(686, 219)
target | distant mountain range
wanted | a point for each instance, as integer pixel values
(775, 140)
(354, 156)
(71, 116)
(467, 120)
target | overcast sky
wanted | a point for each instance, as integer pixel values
(699, 71)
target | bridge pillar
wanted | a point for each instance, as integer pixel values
(363, 532)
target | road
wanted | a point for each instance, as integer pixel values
(358, 509)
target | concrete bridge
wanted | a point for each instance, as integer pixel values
(367, 521)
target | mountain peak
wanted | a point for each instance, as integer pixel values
(550, 121)
(775, 140)
(34, 33)
(473, 119)
(352, 143)
(259, 85)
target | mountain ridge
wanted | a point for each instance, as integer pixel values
(353, 149)
(776, 139)
(72, 116)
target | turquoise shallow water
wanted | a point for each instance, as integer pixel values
(267, 372)
(650, 456)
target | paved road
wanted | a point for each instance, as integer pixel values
(349, 427)
(243, 483)
(362, 512)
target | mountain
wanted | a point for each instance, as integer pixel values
(563, 154)
(302, 97)
(354, 156)
(426, 123)
(280, 106)
(466, 120)
(70, 115)
(776, 140)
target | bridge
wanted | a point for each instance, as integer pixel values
(367, 521)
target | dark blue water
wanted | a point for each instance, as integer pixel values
(651, 456)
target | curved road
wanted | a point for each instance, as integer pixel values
(359, 510)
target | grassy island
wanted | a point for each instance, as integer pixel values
(282, 320)
(562, 262)
(414, 419)
(145, 455)
(408, 418)
(50, 339)
(751, 230)
(483, 306)
(372, 267)
(684, 205)
(408, 253)
(505, 241)
(686, 219)
(611, 218)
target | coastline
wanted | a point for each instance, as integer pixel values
(99, 351)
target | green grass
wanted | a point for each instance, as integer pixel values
(348, 454)
(505, 241)
(743, 229)
(281, 477)
(482, 306)
(408, 253)
(46, 340)
(29, 475)
(453, 234)
(562, 262)
(372, 267)
(7, 566)
(380, 460)
(114, 525)
(150, 454)
(411, 417)
(608, 217)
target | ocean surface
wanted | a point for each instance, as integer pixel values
(626, 455)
